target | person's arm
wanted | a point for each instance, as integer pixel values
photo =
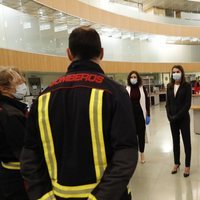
(168, 103)
(15, 132)
(125, 153)
(147, 106)
(33, 165)
(147, 101)
(187, 100)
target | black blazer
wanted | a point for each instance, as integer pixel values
(178, 106)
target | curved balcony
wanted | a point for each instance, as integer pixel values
(123, 51)
(121, 18)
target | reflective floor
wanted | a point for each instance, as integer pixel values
(153, 180)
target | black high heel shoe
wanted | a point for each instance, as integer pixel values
(175, 169)
(186, 172)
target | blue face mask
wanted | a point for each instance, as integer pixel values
(176, 76)
(133, 81)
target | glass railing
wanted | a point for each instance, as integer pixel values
(22, 32)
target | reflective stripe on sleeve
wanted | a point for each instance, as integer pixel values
(11, 165)
(48, 196)
(92, 197)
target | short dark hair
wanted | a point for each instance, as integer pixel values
(139, 79)
(85, 43)
(182, 74)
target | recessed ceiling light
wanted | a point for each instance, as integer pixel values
(195, 0)
(45, 27)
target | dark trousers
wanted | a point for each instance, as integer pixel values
(11, 185)
(140, 126)
(181, 126)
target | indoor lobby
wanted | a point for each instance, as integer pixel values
(148, 36)
(153, 179)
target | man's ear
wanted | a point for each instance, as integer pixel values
(101, 54)
(70, 55)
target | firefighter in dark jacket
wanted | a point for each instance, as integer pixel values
(81, 139)
(12, 131)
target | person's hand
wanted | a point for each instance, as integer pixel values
(172, 118)
(147, 120)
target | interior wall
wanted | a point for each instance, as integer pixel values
(44, 63)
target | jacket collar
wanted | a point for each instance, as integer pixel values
(84, 65)
(13, 102)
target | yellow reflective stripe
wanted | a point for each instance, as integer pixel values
(92, 197)
(88, 187)
(11, 165)
(48, 196)
(92, 126)
(96, 125)
(46, 135)
(100, 127)
(82, 191)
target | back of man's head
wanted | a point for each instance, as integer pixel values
(85, 43)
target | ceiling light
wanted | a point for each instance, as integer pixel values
(195, 0)
(132, 37)
(41, 12)
(158, 39)
(185, 38)
(117, 35)
(194, 40)
(27, 25)
(60, 28)
(45, 27)
(126, 36)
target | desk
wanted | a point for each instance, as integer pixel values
(196, 116)
(155, 99)
(196, 99)
(162, 96)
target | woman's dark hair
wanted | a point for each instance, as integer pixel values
(85, 43)
(139, 79)
(182, 74)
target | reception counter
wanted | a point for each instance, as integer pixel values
(196, 99)
(196, 116)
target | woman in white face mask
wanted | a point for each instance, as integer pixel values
(179, 94)
(141, 108)
(12, 129)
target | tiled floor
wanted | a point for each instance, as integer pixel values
(153, 180)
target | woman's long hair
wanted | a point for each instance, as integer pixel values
(139, 79)
(182, 74)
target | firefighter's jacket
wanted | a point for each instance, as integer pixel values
(12, 131)
(81, 138)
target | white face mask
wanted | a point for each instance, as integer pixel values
(176, 76)
(133, 81)
(20, 91)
